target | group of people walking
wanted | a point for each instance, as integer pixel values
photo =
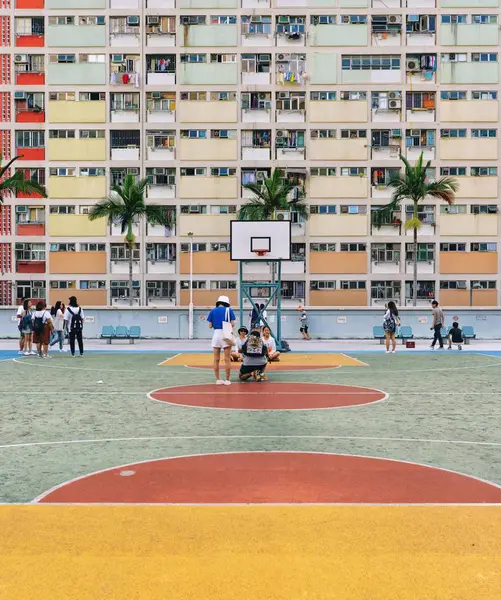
(45, 328)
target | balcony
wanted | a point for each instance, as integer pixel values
(30, 32)
(385, 259)
(421, 68)
(125, 70)
(160, 31)
(30, 266)
(125, 32)
(161, 146)
(424, 267)
(29, 107)
(420, 141)
(290, 31)
(386, 29)
(124, 108)
(256, 144)
(256, 69)
(386, 107)
(421, 107)
(31, 228)
(421, 30)
(380, 178)
(28, 4)
(30, 153)
(289, 145)
(392, 228)
(160, 107)
(161, 183)
(290, 69)
(161, 69)
(256, 31)
(29, 69)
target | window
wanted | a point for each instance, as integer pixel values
(452, 133)
(370, 63)
(192, 20)
(385, 253)
(87, 284)
(291, 101)
(420, 138)
(92, 247)
(223, 20)
(124, 138)
(63, 285)
(425, 252)
(484, 19)
(353, 19)
(322, 285)
(451, 95)
(452, 171)
(484, 133)
(193, 58)
(453, 19)
(454, 57)
(223, 210)
(484, 209)
(288, 25)
(162, 252)
(483, 171)
(30, 251)
(224, 134)
(61, 134)
(219, 247)
(92, 172)
(353, 133)
(353, 171)
(223, 172)
(352, 285)
(195, 209)
(194, 96)
(453, 285)
(256, 25)
(62, 171)
(91, 134)
(323, 172)
(122, 252)
(196, 285)
(193, 134)
(420, 100)
(256, 63)
(62, 58)
(453, 247)
(322, 19)
(161, 139)
(484, 57)
(161, 289)
(324, 209)
(92, 58)
(63, 247)
(91, 20)
(426, 213)
(61, 20)
(353, 209)
(353, 247)
(197, 247)
(314, 247)
(62, 96)
(323, 134)
(484, 247)
(193, 172)
(322, 96)
(125, 101)
(483, 285)
(454, 209)
(117, 175)
(30, 139)
(484, 95)
(62, 210)
(385, 290)
(223, 58)
(223, 285)
(223, 96)
(352, 96)
(120, 289)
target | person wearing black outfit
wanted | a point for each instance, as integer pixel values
(74, 318)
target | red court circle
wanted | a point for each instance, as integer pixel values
(268, 396)
(275, 478)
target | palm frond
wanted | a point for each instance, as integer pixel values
(17, 184)
(384, 216)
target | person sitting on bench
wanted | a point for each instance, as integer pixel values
(255, 355)
(456, 336)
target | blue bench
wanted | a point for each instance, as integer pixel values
(121, 332)
(468, 334)
(405, 333)
(378, 333)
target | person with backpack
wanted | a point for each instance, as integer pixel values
(27, 328)
(19, 318)
(42, 328)
(255, 355)
(58, 320)
(74, 318)
(391, 321)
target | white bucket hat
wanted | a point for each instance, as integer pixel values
(224, 299)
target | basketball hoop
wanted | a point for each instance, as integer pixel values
(261, 253)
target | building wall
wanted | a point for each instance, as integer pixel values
(78, 262)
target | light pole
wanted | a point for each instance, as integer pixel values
(190, 307)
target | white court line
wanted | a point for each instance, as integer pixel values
(370, 371)
(249, 437)
(351, 358)
(161, 364)
(335, 454)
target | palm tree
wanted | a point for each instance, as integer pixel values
(272, 194)
(17, 183)
(413, 185)
(126, 205)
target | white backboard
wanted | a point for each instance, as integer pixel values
(272, 236)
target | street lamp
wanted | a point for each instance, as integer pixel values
(190, 306)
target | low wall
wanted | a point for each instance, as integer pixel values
(324, 323)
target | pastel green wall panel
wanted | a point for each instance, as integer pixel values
(339, 35)
(451, 72)
(465, 34)
(206, 36)
(74, 4)
(72, 36)
(323, 67)
(76, 74)
(208, 73)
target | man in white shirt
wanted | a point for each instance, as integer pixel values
(19, 318)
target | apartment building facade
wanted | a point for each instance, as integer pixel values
(203, 96)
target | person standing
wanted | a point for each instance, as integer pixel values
(19, 317)
(438, 323)
(390, 322)
(303, 320)
(58, 321)
(74, 318)
(27, 328)
(42, 328)
(218, 315)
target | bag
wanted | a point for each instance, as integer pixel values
(38, 324)
(228, 337)
(26, 322)
(76, 321)
(285, 346)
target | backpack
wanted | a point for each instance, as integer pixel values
(76, 321)
(38, 324)
(285, 346)
(26, 321)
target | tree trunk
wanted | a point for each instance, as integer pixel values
(130, 243)
(414, 277)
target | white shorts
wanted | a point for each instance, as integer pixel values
(217, 339)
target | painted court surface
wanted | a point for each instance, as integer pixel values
(363, 477)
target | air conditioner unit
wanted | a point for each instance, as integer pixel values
(21, 209)
(415, 132)
(133, 20)
(261, 175)
(282, 19)
(19, 95)
(393, 95)
(413, 65)
(194, 209)
(283, 94)
(395, 104)
(452, 56)
(282, 57)
(280, 133)
(461, 285)
(156, 94)
(152, 20)
(282, 215)
(263, 58)
(85, 210)
(151, 285)
(345, 19)
(38, 284)
(20, 58)
(394, 19)
(117, 58)
(396, 133)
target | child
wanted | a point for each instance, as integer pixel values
(236, 351)
(255, 355)
(273, 353)
(303, 320)
(456, 336)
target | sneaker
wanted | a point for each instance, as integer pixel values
(21, 352)
(440, 347)
(449, 347)
(26, 353)
(47, 356)
(460, 347)
(386, 351)
(72, 356)
(219, 382)
(227, 382)
(80, 355)
(33, 353)
(432, 347)
(393, 351)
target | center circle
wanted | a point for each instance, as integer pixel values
(269, 396)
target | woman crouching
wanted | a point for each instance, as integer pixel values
(255, 355)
